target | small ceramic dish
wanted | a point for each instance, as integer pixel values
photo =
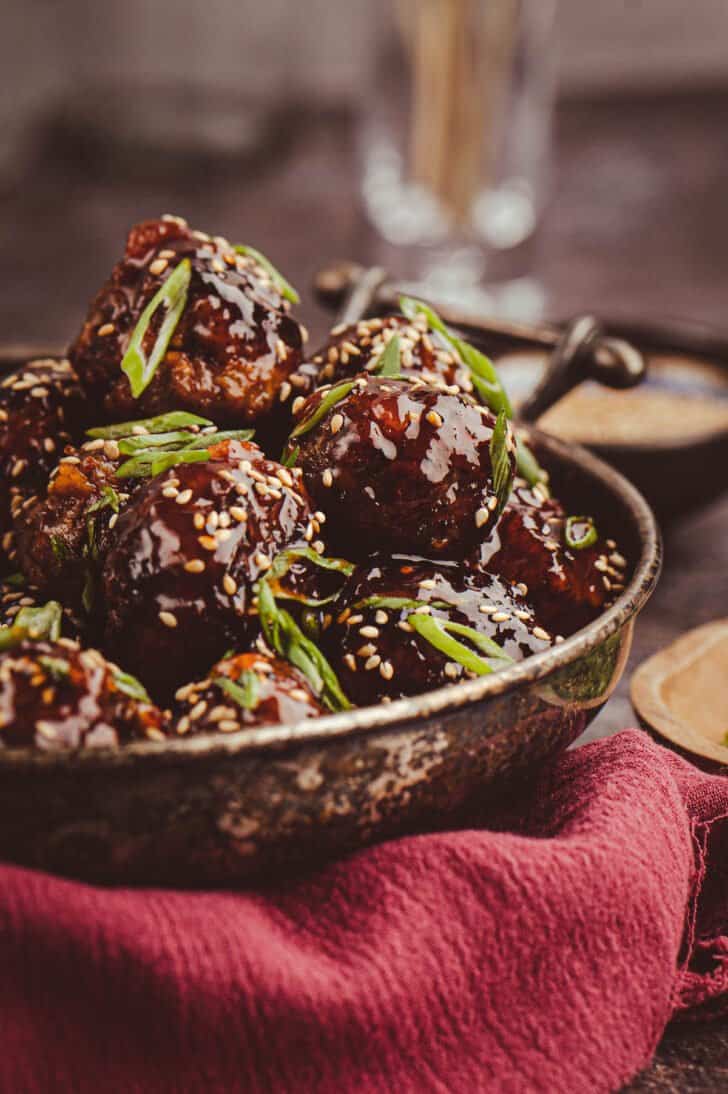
(681, 693)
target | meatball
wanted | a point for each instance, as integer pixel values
(41, 409)
(392, 610)
(185, 554)
(234, 345)
(60, 534)
(356, 348)
(568, 586)
(54, 695)
(398, 465)
(247, 690)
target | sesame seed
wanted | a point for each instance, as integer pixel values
(522, 588)
(350, 661)
(539, 632)
(386, 670)
(106, 328)
(559, 639)
(285, 391)
(261, 561)
(198, 710)
(168, 618)
(113, 520)
(369, 632)
(223, 535)
(372, 662)
(184, 496)
(195, 566)
(170, 492)
(523, 616)
(199, 521)
(227, 725)
(212, 520)
(283, 475)
(209, 543)
(601, 564)
(336, 422)
(493, 503)
(111, 449)
(366, 650)
(434, 418)
(49, 444)
(428, 583)
(183, 725)
(405, 626)
(452, 669)
(481, 517)
(327, 478)
(318, 546)
(229, 585)
(618, 560)
(300, 694)
(158, 266)
(381, 617)
(297, 404)
(237, 513)
(354, 619)
(500, 617)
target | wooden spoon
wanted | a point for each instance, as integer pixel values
(682, 692)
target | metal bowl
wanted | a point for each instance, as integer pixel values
(263, 802)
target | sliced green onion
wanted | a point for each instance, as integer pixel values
(485, 644)
(433, 631)
(176, 419)
(109, 499)
(283, 562)
(286, 638)
(245, 693)
(500, 462)
(58, 669)
(61, 550)
(578, 541)
(330, 399)
(129, 446)
(205, 440)
(292, 457)
(485, 379)
(129, 685)
(15, 581)
(43, 622)
(401, 603)
(284, 287)
(389, 362)
(148, 465)
(172, 296)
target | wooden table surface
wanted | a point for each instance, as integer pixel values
(637, 226)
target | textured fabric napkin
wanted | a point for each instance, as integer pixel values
(548, 956)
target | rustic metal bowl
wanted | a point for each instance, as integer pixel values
(221, 809)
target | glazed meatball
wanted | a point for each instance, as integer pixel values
(247, 690)
(356, 348)
(54, 695)
(378, 641)
(232, 349)
(398, 465)
(184, 557)
(41, 409)
(567, 586)
(61, 533)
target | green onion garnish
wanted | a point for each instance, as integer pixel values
(176, 419)
(292, 457)
(58, 669)
(484, 376)
(43, 622)
(245, 692)
(129, 685)
(109, 499)
(286, 638)
(389, 362)
(436, 632)
(15, 581)
(284, 287)
(283, 562)
(206, 440)
(148, 464)
(330, 399)
(398, 603)
(580, 532)
(172, 296)
(500, 462)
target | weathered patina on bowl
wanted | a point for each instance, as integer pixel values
(221, 809)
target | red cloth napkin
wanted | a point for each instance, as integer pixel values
(548, 958)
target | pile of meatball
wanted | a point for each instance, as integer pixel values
(240, 533)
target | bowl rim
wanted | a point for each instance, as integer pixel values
(402, 713)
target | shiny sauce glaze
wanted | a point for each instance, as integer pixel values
(398, 465)
(568, 587)
(378, 653)
(54, 695)
(265, 691)
(42, 408)
(233, 349)
(178, 575)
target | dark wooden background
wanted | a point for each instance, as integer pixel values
(636, 226)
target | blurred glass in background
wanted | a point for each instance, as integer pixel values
(455, 144)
